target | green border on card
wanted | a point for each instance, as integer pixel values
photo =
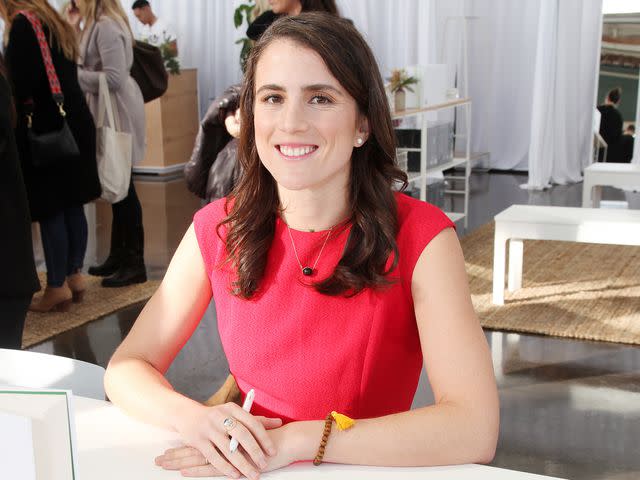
(66, 400)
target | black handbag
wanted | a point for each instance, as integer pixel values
(148, 71)
(50, 148)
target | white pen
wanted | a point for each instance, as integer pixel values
(246, 406)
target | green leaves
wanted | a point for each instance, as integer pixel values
(242, 13)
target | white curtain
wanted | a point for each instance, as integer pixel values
(564, 91)
(636, 143)
(532, 97)
(532, 71)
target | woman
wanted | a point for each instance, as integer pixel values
(329, 287)
(288, 7)
(212, 170)
(106, 48)
(56, 195)
(16, 251)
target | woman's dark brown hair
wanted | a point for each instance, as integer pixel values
(328, 6)
(255, 204)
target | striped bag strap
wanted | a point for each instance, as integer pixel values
(54, 82)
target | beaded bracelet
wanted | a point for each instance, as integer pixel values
(342, 421)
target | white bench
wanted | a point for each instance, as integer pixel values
(598, 175)
(529, 222)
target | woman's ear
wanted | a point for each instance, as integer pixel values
(362, 132)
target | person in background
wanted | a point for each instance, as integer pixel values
(280, 8)
(56, 195)
(332, 289)
(153, 30)
(626, 143)
(16, 250)
(611, 124)
(106, 48)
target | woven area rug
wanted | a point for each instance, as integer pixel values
(97, 303)
(574, 290)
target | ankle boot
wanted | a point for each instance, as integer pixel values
(116, 254)
(77, 284)
(131, 271)
(108, 267)
(56, 299)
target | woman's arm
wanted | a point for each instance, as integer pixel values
(23, 59)
(135, 372)
(111, 44)
(462, 425)
(134, 379)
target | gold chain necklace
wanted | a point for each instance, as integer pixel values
(308, 271)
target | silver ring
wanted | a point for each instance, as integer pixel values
(229, 423)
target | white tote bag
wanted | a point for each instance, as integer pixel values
(114, 148)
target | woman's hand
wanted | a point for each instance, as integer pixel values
(232, 122)
(72, 15)
(192, 463)
(204, 430)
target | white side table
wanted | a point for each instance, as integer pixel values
(598, 175)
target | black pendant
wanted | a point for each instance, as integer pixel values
(307, 271)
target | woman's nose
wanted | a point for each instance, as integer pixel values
(292, 118)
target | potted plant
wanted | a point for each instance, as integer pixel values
(244, 12)
(169, 51)
(399, 81)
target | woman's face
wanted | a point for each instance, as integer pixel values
(82, 5)
(286, 7)
(306, 124)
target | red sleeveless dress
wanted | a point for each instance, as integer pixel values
(305, 353)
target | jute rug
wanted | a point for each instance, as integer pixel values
(574, 290)
(97, 303)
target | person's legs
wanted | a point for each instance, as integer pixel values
(14, 312)
(116, 254)
(127, 214)
(55, 243)
(78, 234)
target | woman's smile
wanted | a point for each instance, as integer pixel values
(296, 151)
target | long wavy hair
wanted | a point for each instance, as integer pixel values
(63, 33)
(255, 204)
(92, 10)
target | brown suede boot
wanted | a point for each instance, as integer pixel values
(77, 284)
(57, 299)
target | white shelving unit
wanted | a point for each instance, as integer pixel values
(421, 177)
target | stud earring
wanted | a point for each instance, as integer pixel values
(359, 141)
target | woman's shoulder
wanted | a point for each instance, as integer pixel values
(208, 235)
(418, 223)
(206, 220)
(21, 26)
(110, 24)
(413, 213)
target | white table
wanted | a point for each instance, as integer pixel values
(598, 175)
(569, 224)
(114, 446)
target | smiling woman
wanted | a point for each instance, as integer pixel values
(331, 289)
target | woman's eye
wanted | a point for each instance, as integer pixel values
(272, 99)
(320, 100)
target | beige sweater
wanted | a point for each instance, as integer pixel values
(107, 48)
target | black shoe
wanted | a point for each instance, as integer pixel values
(107, 268)
(126, 275)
